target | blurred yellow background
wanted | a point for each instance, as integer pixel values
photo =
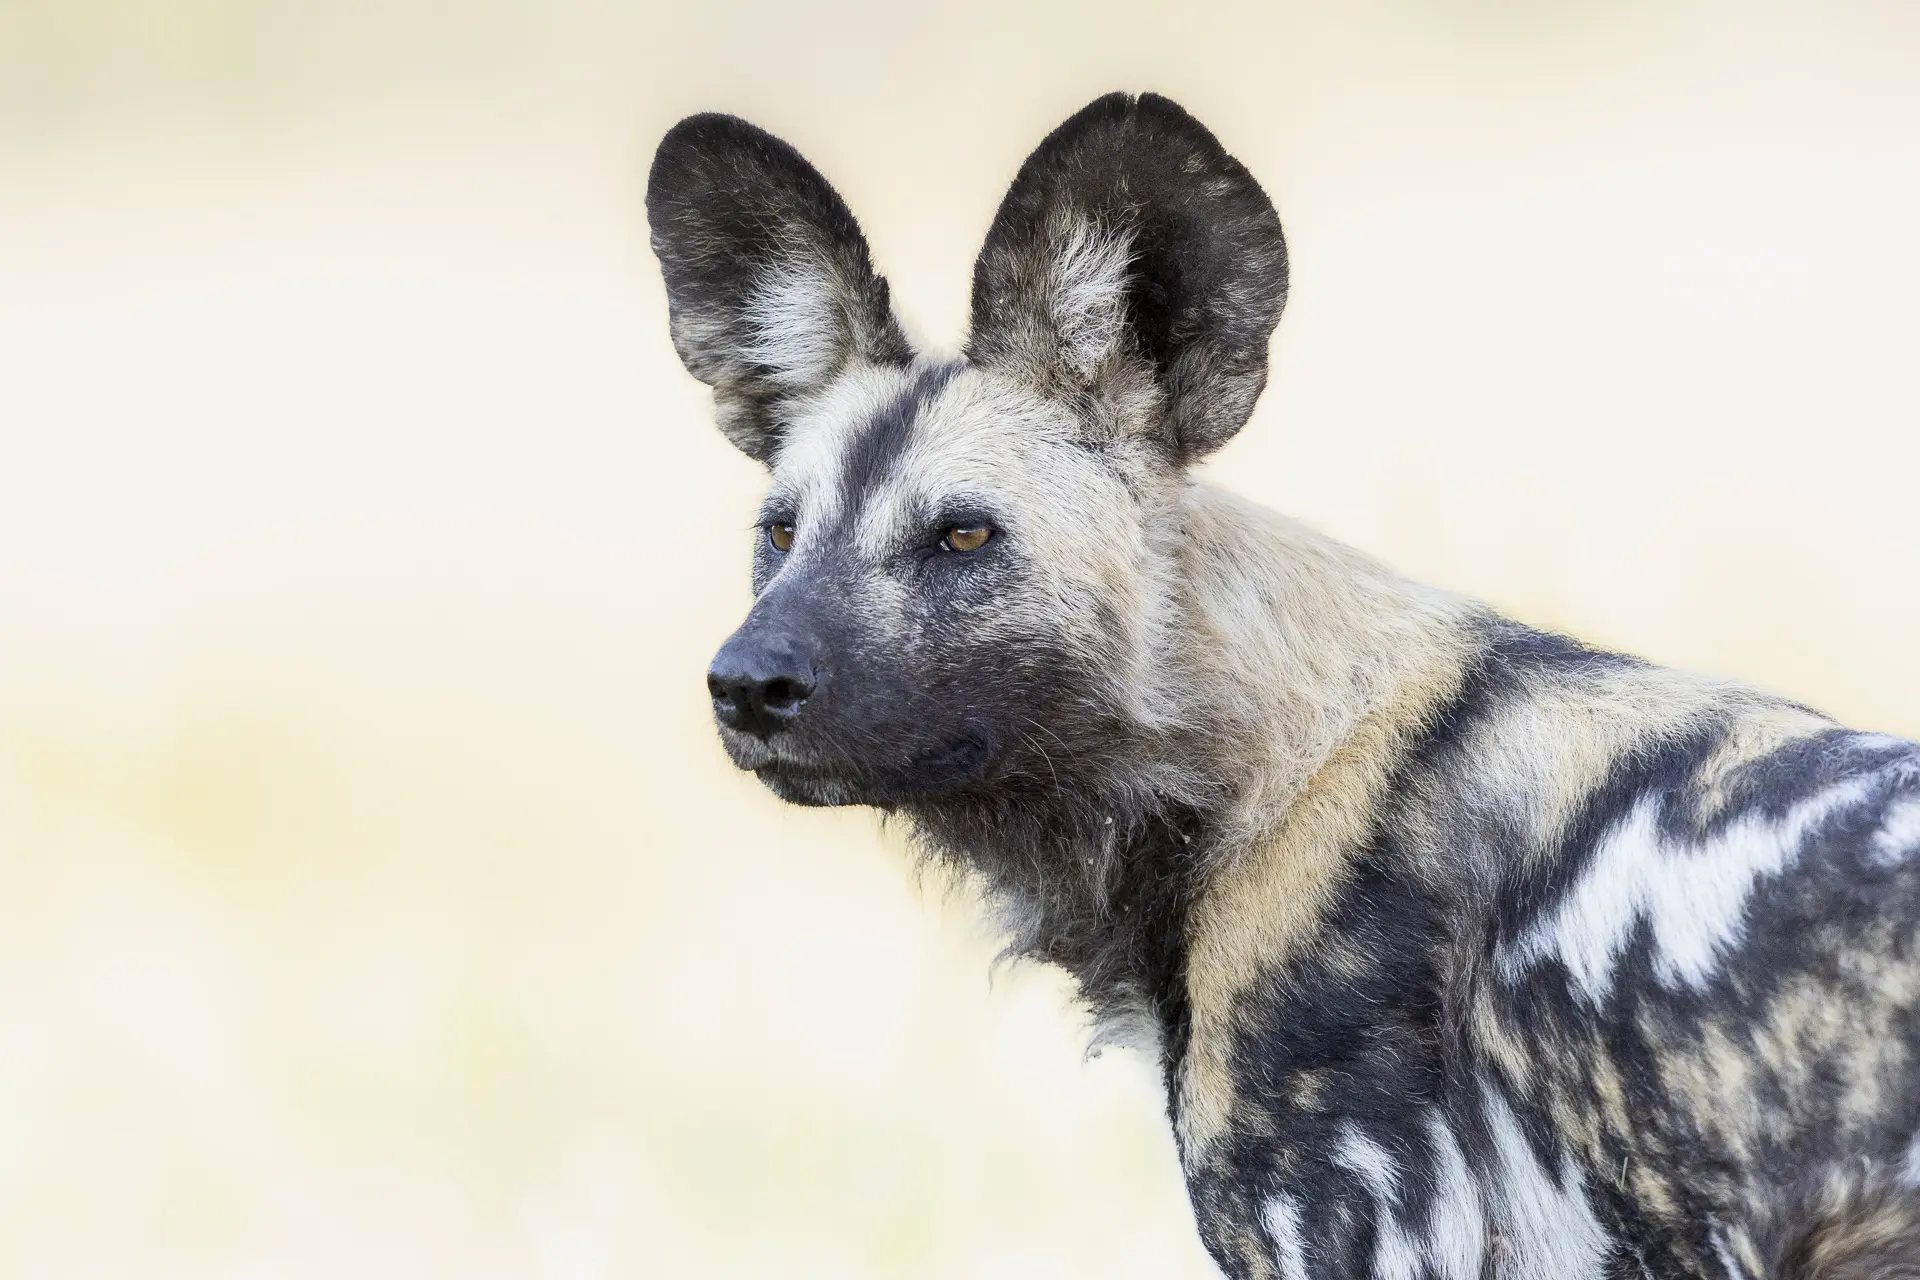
(375, 899)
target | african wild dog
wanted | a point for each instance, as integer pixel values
(1466, 950)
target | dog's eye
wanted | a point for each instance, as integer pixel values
(781, 536)
(966, 537)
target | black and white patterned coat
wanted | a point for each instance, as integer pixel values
(1466, 950)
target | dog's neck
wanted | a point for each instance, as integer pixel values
(1304, 639)
(1270, 645)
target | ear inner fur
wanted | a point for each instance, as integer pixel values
(770, 289)
(1132, 251)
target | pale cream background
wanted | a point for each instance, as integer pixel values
(374, 897)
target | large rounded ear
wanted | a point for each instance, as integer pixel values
(1133, 253)
(770, 290)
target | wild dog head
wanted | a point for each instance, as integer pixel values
(963, 571)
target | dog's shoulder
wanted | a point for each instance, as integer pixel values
(1581, 955)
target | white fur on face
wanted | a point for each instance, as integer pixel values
(1693, 894)
(807, 469)
(1074, 517)
(1093, 567)
(988, 436)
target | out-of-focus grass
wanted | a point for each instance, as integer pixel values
(374, 898)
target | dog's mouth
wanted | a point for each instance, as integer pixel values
(804, 778)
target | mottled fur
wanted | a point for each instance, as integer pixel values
(1466, 950)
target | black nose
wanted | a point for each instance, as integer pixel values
(759, 683)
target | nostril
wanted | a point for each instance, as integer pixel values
(758, 684)
(783, 694)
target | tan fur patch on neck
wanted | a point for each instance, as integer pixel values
(1345, 665)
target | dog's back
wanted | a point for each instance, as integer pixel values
(1711, 965)
(1583, 964)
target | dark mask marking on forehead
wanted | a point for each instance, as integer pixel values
(872, 453)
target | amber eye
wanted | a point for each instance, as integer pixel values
(781, 536)
(966, 537)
